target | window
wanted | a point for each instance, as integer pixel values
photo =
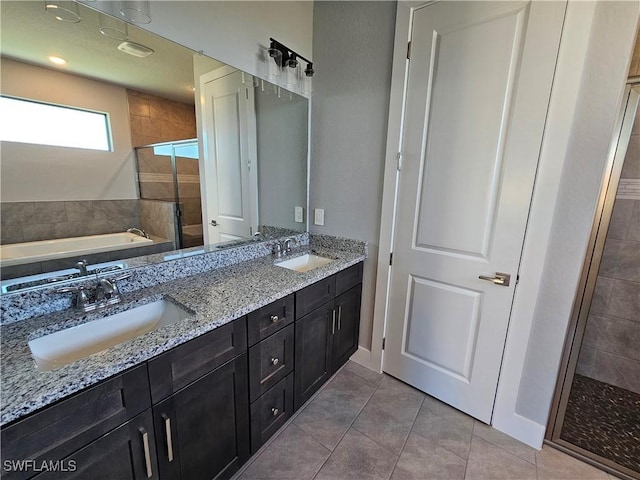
(27, 121)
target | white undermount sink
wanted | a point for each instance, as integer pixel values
(305, 262)
(66, 346)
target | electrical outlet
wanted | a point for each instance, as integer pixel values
(318, 216)
(298, 215)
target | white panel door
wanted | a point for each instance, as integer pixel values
(231, 189)
(478, 87)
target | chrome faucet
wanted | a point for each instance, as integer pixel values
(82, 266)
(104, 293)
(287, 245)
(283, 248)
(137, 231)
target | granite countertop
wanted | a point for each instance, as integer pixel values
(214, 298)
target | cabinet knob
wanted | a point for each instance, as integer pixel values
(274, 361)
(274, 318)
(274, 411)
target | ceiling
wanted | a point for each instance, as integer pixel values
(29, 34)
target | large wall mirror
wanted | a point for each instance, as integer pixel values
(198, 155)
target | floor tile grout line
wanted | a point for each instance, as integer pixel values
(350, 425)
(395, 465)
(290, 421)
(473, 434)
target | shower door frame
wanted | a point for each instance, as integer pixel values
(586, 286)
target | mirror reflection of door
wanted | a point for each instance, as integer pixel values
(230, 176)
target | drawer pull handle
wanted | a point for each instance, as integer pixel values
(333, 324)
(274, 411)
(274, 361)
(147, 453)
(274, 318)
(339, 317)
(167, 432)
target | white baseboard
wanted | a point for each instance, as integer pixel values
(362, 357)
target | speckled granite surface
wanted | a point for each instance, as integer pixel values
(215, 297)
(147, 272)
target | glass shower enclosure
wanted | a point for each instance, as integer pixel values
(596, 411)
(169, 173)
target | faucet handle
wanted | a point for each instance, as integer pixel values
(287, 244)
(81, 298)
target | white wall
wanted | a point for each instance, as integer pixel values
(45, 173)
(599, 96)
(353, 51)
(232, 32)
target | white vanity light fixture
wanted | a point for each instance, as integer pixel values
(63, 10)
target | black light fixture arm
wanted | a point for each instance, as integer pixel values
(290, 57)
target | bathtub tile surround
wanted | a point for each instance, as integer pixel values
(35, 221)
(218, 287)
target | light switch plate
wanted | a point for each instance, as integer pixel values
(318, 216)
(298, 215)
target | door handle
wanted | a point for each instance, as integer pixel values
(501, 279)
(333, 323)
(214, 223)
(339, 317)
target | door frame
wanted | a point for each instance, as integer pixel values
(571, 67)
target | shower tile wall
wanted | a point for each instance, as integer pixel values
(189, 190)
(155, 119)
(610, 350)
(34, 221)
(158, 218)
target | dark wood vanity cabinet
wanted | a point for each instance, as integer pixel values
(67, 429)
(197, 411)
(326, 336)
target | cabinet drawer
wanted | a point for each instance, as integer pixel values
(271, 411)
(348, 278)
(173, 370)
(314, 296)
(269, 319)
(270, 361)
(63, 428)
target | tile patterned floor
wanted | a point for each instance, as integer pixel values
(605, 420)
(366, 426)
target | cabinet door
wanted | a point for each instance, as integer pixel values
(126, 453)
(345, 340)
(203, 430)
(314, 342)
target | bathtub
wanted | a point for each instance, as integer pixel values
(19, 253)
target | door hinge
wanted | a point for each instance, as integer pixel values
(391, 258)
(400, 159)
(408, 50)
(384, 343)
